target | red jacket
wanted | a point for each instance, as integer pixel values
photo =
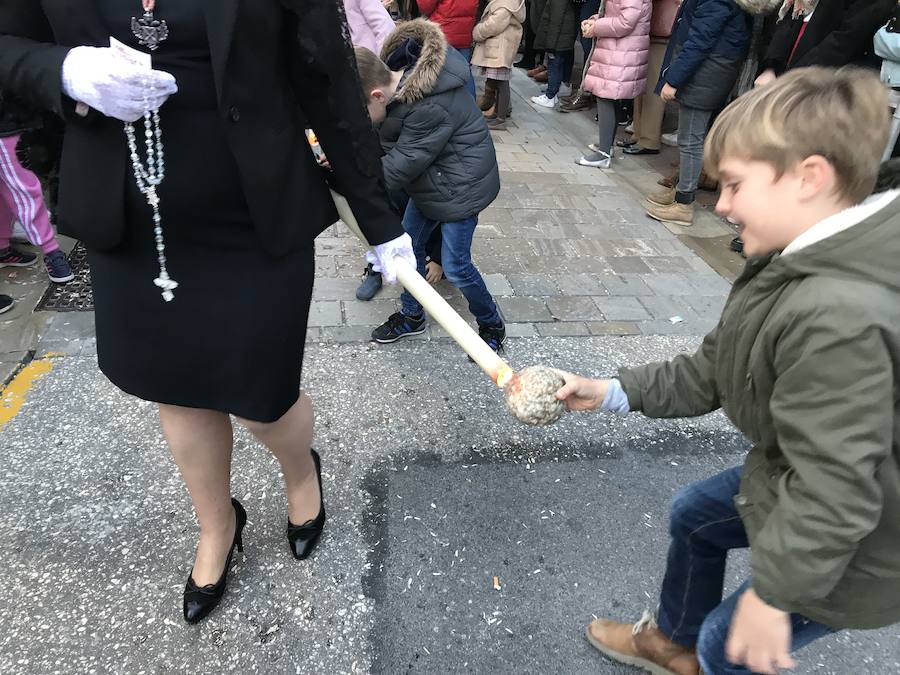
(455, 17)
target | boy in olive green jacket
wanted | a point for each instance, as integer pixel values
(805, 361)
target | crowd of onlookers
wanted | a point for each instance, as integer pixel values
(642, 60)
(640, 56)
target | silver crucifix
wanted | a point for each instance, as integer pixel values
(149, 31)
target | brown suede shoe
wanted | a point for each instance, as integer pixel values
(642, 645)
(543, 76)
(675, 213)
(669, 181)
(540, 68)
(662, 197)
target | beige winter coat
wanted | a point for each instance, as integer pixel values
(498, 34)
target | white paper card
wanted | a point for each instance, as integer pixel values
(135, 57)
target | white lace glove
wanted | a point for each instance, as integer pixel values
(99, 78)
(401, 246)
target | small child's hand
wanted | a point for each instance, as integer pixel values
(581, 393)
(760, 636)
(433, 272)
(668, 92)
(587, 28)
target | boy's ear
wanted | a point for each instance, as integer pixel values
(817, 176)
(377, 95)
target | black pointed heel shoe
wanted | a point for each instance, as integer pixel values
(199, 601)
(303, 538)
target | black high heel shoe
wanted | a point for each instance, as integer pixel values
(303, 538)
(199, 601)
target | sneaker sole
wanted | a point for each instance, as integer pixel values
(681, 223)
(649, 666)
(62, 280)
(23, 264)
(4, 310)
(387, 341)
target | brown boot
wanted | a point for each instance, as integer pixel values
(540, 68)
(582, 101)
(662, 197)
(669, 181)
(489, 97)
(543, 76)
(642, 645)
(675, 213)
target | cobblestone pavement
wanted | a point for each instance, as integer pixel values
(566, 250)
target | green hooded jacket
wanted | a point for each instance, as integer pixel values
(805, 361)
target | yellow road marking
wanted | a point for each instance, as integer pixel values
(16, 392)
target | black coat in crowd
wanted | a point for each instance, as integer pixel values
(840, 32)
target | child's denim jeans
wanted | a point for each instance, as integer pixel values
(704, 526)
(456, 258)
(559, 70)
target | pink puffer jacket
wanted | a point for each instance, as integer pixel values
(618, 68)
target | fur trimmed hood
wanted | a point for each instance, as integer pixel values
(759, 6)
(422, 76)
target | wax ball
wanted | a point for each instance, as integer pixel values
(531, 396)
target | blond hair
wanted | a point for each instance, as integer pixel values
(373, 73)
(841, 115)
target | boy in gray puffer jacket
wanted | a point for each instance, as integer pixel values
(439, 151)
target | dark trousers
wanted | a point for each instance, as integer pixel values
(704, 526)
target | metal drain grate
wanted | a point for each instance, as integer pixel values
(75, 296)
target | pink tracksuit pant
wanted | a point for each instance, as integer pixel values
(21, 199)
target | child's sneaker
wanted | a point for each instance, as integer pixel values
(493, 336)
(643, 645)
(58, 267)
(371, 284)
(545, 102)
(398, 326)
(496, 124)
(11, 257)
(6, 303)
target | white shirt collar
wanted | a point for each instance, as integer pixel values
(841, 221)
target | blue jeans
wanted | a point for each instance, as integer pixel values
(588, 9)
(456, 258)
(560, 70)
(704, 526)
(470, 85)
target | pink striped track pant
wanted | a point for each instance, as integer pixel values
(21, 199)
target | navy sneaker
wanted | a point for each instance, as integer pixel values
(371, 284)
(6, 303)
(12, 257)
(493, 335)
(58, 267)
(398, 326)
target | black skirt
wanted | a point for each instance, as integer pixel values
(232, 339)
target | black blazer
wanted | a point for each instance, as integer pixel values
(256, 46)
(840, 32)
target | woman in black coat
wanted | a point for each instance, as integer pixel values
(220, 331)
(829, 33)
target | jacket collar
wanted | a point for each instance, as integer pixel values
(841, 221)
